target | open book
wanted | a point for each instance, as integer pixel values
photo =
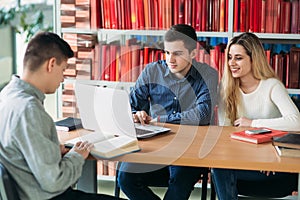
(107, 147)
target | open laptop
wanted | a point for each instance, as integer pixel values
(108, 111)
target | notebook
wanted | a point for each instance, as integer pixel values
(108, 111)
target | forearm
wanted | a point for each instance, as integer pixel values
(200, 115)
(287, 123)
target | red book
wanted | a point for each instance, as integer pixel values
(181, 12)
(257, 138)
(155, 23)
(141, 14)
(251, 17)
(198, 11)
(142, 65)
(298, 18)
(215, 15)
(256, 14)
(106, 10)
(123, 67)
(286, 17)
(146, 13)
(96, 73)
(210, 15)
(294, 68)
(279, 68)
(146, 55)
(159, 14)
(213, 58)
(287, 70)
(268, 55)
(163, 14)
(188, 12)
(242, 17)
(226, 14)
(204, 16)
(222, 15)
(105, 62)
(175, 11)
(168, 13)
(127, 5)
(263, 16)
(95, 14)
(276, 21)
(135, 57)
(120, 14)
(113, 14)
(269, 16)
(294, 16)
(112, 65)
(133, 14)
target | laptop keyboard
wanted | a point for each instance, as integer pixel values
(142, 131)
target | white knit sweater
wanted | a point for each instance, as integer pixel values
(268, 106)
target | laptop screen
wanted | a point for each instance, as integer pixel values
(106, 110)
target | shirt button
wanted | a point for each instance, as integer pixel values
(175, 98)
(174, 112)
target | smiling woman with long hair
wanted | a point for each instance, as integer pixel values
(251, 95)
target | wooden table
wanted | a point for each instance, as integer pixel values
(204, 146)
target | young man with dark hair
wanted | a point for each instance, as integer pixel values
(177, 90)
(29, 146)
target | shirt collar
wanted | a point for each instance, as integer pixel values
(30, 89)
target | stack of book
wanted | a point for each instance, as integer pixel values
(287, 145)
(68, 124)
(257, 135)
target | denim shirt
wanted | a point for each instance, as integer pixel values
(190, 100)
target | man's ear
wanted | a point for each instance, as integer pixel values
(50, 64)
(194, 53)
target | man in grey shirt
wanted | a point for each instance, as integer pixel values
(29, 146)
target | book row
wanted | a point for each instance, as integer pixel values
(267, 16)
(204, 15)
(124, 62)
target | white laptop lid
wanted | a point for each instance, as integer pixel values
(106, 110)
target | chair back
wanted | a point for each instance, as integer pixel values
(7, 185)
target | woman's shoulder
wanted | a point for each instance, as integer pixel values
(271, 82)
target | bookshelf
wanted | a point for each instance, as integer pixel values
(73, 17)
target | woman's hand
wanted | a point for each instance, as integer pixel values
(243, 121)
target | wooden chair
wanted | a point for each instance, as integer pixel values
(204, 178)
(7, 185)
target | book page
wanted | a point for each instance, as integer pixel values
(91, 137)
(113, 143)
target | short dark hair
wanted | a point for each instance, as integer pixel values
(182, 32)
(43, 46)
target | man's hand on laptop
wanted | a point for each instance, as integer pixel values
(141, 117)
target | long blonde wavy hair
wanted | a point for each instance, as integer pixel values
(229, 87)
